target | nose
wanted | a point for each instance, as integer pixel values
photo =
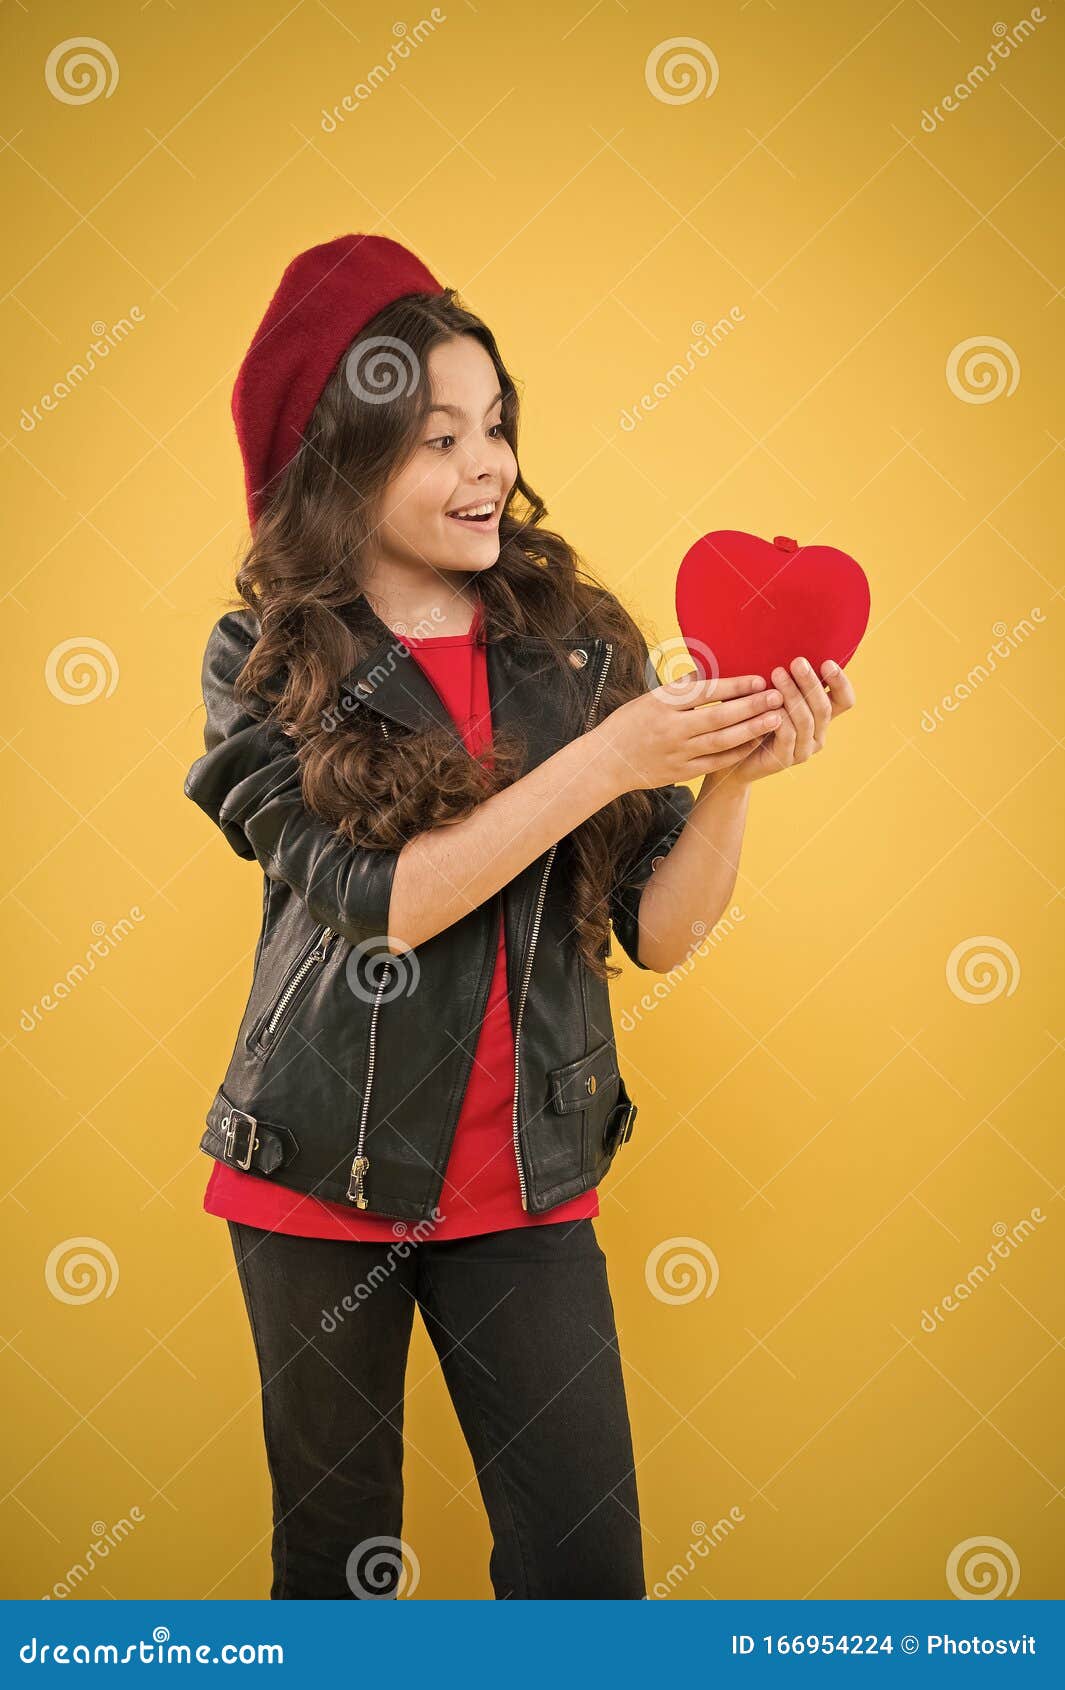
(478, 467)
(478, 457)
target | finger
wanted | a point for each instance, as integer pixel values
(729, 711)
(741, 733)
(838, 682)
(799, 712)
(720, 763)
(805, 731)
(723, 760)
(817, 699)
(690, 690)
(782, 747)
(737, 686)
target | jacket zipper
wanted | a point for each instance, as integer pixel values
(318, 953)
(361, 1162)
(533, 933)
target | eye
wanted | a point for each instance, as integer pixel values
(441, 442)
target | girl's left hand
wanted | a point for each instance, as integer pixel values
(808, 709)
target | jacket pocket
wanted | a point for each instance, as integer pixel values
(578, 1084)
(272, 1023)
(593, 1085)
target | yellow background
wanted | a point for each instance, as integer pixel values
(818, 1109)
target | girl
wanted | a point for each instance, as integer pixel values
(445, 745)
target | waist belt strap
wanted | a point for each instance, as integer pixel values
(242, 1141)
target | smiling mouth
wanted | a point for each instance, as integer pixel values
(482, 512)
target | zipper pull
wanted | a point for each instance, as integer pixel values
(358, 1169)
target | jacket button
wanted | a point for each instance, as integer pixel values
(578, 658)
(364, 686)
(590, 1082)
(784, 543)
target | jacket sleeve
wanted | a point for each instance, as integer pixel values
(673, 806)
(248, 782)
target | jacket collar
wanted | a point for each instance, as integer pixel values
(390, 681)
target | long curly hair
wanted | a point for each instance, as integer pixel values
(300, 576)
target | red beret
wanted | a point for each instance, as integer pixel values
(325, 297)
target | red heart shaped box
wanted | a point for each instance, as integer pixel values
(754, 605)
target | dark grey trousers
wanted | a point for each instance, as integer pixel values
(523, 1323)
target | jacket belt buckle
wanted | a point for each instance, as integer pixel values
(619, 1127)
(627, 1122)
(231, 1125)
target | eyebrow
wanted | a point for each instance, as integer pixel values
(457, 411)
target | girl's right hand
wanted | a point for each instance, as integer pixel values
(685, 729)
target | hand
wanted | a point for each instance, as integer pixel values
(688, 728)
(808, 710)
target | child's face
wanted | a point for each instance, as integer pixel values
(461, 459)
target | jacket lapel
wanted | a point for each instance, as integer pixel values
(390, 681)
(523, 687)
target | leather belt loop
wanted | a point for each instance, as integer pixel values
(242, 1141)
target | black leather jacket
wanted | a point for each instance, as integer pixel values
(350, 1063)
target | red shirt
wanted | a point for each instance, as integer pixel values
(480, 1192)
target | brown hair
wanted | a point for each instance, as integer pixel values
(301, 578)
